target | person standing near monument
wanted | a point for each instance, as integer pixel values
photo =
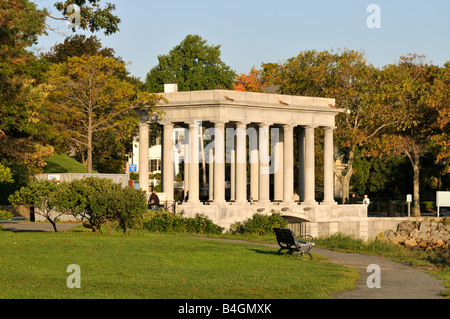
(366, 200)
(153, 201)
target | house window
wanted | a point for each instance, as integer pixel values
(155, 165)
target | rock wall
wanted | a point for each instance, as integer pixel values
(424, 235)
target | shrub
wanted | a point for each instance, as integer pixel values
(164, 221)
(5, 215)
(259, 224)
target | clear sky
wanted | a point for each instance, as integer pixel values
(252, 32)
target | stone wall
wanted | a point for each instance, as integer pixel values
(424, 235)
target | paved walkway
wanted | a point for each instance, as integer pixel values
(398, 281)
(36, 227)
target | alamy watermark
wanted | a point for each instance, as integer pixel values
(374, 19)
(74, 279)
(374, 279)
(74, 18)
(265, 140)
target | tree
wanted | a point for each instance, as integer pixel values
(97, 201)
(88, 97)
(92, 16)
(251, 82)
(441, 90)
(78, 45)
(40, 197)
(192, 64)
(347, 77)
(26, 138)
(409, 86)
(112, 145)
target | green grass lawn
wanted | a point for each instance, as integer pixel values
(61, 163)
(156, 265)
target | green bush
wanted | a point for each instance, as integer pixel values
(259, 224)
(163, 221)
(5, 215)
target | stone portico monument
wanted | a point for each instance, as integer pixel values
(266, 124)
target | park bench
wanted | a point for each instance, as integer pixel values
(298, 245)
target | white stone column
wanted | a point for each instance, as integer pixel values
(193, 164)
(219, 162)
(254, 162)
(264, 164)
(328, 166)
(168, 164)
(232, 171)
(187, 160)
(309, 167)
(301, 163)
(211, 175)
(241, 163)
(288, 164)
(143, 157)
(278, 166)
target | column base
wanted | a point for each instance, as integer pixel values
(288, 202)
(309, 202)
(263, 202)
(328, 203)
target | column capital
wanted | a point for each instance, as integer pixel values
(242, 123)
(166, 123)
(219, 122)
(194, 122)
(288, 126)
(329, 128)
(262, 124)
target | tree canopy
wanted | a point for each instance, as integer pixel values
(194, 65)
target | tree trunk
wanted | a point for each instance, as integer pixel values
(348, 176)
(53, 224)
(89, 144)
(416, 208)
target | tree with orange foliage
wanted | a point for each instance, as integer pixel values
(251, 82)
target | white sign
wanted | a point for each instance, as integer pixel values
(442, 200)
(409, 198)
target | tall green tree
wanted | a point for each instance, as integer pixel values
(194, 65)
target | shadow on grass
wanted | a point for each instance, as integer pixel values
(266, 252)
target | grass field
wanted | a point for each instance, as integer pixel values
(60, 163)
(155, 265)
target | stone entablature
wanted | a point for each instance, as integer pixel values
(249, 107)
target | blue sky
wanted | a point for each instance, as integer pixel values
(252, 32)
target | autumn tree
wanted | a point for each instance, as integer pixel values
(194, 65)
(441, 91)
(112, 145)
(251, 82)
(88, 97)
(409, 86)
(346, 76)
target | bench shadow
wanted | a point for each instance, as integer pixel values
(266, 252)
